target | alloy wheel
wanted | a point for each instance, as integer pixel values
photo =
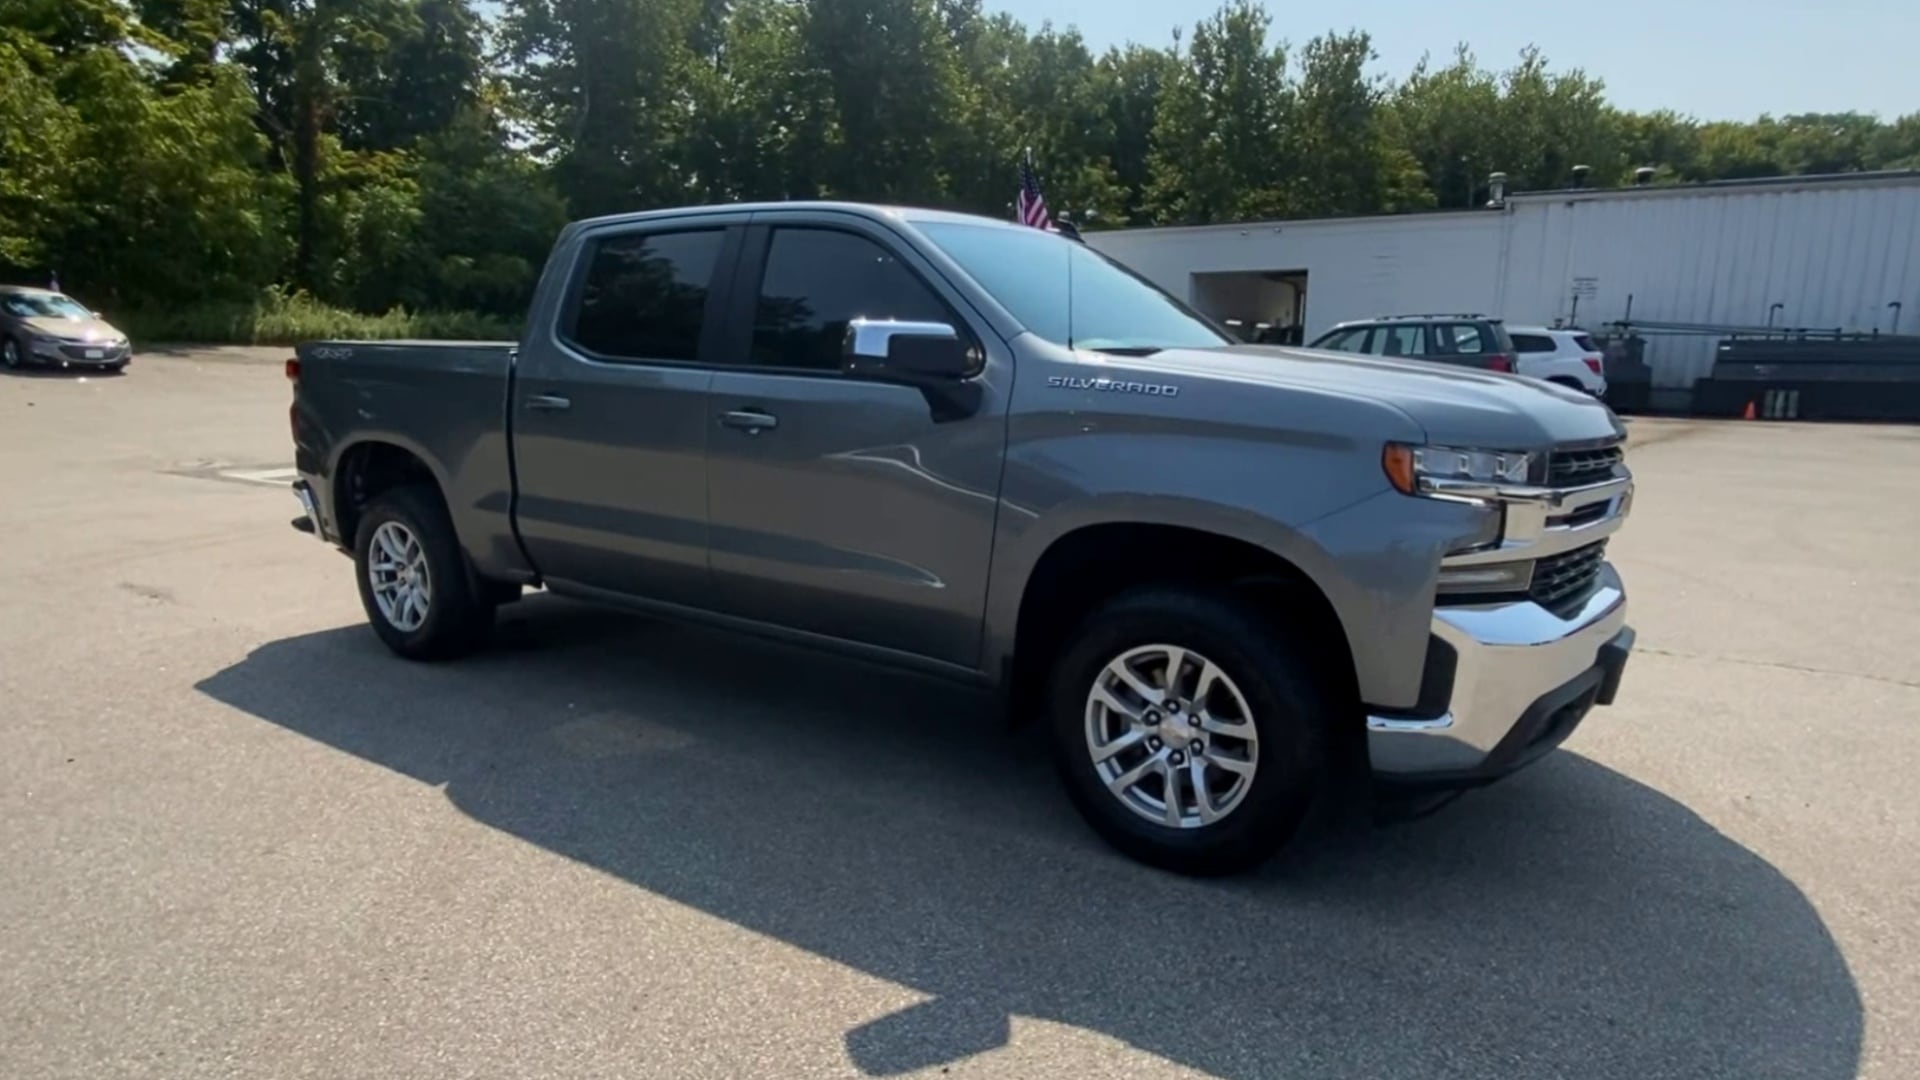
(1171, 736)
(397, 570)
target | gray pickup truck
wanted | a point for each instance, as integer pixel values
(1217, 575)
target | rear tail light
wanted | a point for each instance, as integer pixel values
(1593, 364)
(1500, 363)
(293, 369)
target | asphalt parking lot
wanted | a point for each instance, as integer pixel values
(237, 838)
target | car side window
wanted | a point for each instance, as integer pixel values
(645, 295)
(817, 281)
(1532, 343)
(1348, 340)
(1459, 339)
(1397, 341)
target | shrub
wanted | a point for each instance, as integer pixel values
(279, 318)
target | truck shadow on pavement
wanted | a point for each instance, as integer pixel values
(1567, 922)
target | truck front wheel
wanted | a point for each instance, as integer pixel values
(1189, 730)
(413, 578)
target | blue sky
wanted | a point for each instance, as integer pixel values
(1715, 59)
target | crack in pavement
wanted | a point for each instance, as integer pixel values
(1781, 666)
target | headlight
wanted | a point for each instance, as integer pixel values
(1422, 470)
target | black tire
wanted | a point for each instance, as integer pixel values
(13, 354)
(1291, 709)
(457, 621)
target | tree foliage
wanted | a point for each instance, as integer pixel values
(422, 153)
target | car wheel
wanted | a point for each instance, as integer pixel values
(10, 354)
(413, 577)
(1190, 731)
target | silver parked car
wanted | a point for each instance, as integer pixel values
(46, 328)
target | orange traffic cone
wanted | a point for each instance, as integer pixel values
(1748, 415)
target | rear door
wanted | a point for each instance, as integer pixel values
(840, 506)
(1467, 344)
(610, 421)
(1397, 339)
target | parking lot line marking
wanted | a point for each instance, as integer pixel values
(276, 477)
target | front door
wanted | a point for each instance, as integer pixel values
(610, 422)
(840, 506)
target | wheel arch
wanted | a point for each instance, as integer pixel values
(371, 465)
(1087, 564)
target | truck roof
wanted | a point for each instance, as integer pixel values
(918, 215)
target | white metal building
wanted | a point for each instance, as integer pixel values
(1830, 251)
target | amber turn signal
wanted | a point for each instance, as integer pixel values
(1397, 459)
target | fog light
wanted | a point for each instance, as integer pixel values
(1490, 524)
(1486, 578)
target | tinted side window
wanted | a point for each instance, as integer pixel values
(1460, 339)
(1532, 343)
(1343, 340)
(1586, 343)
(819, 280)
(1397, 341)
(645, 297)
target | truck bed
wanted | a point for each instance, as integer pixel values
(444, 402)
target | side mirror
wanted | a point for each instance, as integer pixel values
(930, 357)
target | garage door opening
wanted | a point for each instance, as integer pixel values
(1267, 307)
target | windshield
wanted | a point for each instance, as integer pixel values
(45, 306)
(1111, 310)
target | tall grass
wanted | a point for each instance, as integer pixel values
(278, 318)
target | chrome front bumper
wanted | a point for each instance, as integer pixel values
(1522, 678)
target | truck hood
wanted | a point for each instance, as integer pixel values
(1456, 406)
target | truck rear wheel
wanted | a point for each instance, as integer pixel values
(1189, 730)
(413, 578)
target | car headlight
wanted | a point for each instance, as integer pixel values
(1430, 470)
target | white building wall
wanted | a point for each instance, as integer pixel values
(1834, 252)
(1356, 267)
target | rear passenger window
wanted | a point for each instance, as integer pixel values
(1532, 343)
(1396, 341)
(1460, 339)
(645, 297)
(819, 280)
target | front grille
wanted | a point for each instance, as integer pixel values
(1561, 583)
(79, 352)
(1574, 468)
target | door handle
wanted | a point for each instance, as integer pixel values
(751, 421)
(548, 403)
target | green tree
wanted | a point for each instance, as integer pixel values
(1133, 80)
(1220, 137)
(604, 85)
(897, 96)
(410, 74)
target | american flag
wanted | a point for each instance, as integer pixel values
(1031, 205)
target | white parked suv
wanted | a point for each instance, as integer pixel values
(1567, 357)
